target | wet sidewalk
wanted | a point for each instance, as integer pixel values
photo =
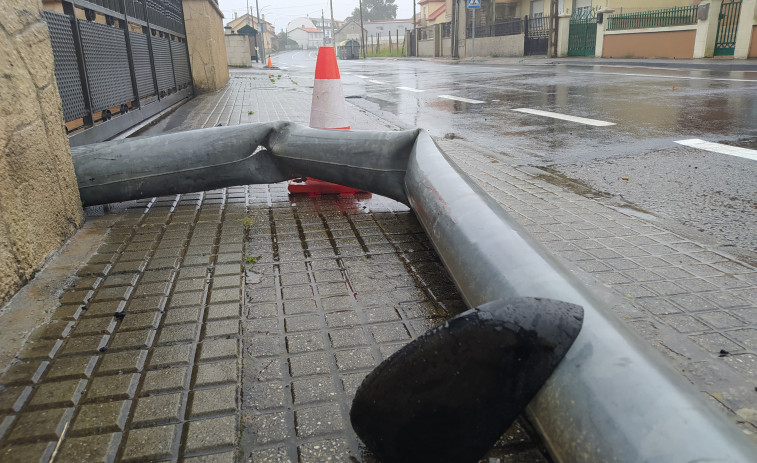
(235, 325)
(229, 325)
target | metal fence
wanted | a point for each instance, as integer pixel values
(537, 26)
(679, 16)
(511, 26)
(426, 33)
(124, 62)
(446, 30)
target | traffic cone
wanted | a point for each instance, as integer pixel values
(270, 65)
(327, 111)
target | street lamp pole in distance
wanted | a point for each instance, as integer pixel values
(262, 34)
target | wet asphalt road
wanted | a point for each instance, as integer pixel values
(635, 162)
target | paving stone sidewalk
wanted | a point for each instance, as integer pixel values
(235, 325)
(229, 325)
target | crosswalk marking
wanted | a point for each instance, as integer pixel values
(458, 98)
(745, 153)
(564, 117)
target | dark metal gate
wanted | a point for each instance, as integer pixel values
(536, 35)
(728, 21)
(582, 36)
(117, 63)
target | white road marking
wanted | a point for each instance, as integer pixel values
(665, 77)
(361, 76)
(564, 117)
(347, 73)
(410, 89)
(298, 65)
(464, 100)
(720, 148)
(283, 67)
(377, 82)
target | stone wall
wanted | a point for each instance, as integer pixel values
(207, 47)
(39, 198)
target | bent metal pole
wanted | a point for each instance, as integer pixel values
(611, 399)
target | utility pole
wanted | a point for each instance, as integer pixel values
(333, 37)
(454, 26)
(323, 26)
(262, 42)
(553, 21)
(362, 31)
(415, 31)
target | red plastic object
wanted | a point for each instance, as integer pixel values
(313, 187)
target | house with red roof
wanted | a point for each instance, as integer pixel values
(307, 37)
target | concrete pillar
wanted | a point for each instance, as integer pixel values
(707, 29)
(744, 30)
(563, 35)
(462, 48)
(601, 31)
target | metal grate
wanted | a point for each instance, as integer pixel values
(180, 62)
(66, 67)
(107, 65)
(140, 55)
(163, 65)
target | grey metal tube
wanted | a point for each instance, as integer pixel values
(612, 398)
(218, 157)
(184, 162)
(367, 160)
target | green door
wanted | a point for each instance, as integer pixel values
(582, 37)
(728, 21)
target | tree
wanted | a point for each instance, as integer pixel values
(375, 9)
(285, 43)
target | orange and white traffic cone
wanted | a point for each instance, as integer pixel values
(327, 111)
(270, 64)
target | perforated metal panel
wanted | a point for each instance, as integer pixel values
(114, 5)
(163, 66)
(107, 63)
(136, 9)
(66, 67)
(140, 55)
(180, 65)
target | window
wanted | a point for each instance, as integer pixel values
(537, 9)
(505, 10)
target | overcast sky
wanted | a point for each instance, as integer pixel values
(280, 12)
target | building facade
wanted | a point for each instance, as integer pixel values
(307, 38)
(268, 35)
